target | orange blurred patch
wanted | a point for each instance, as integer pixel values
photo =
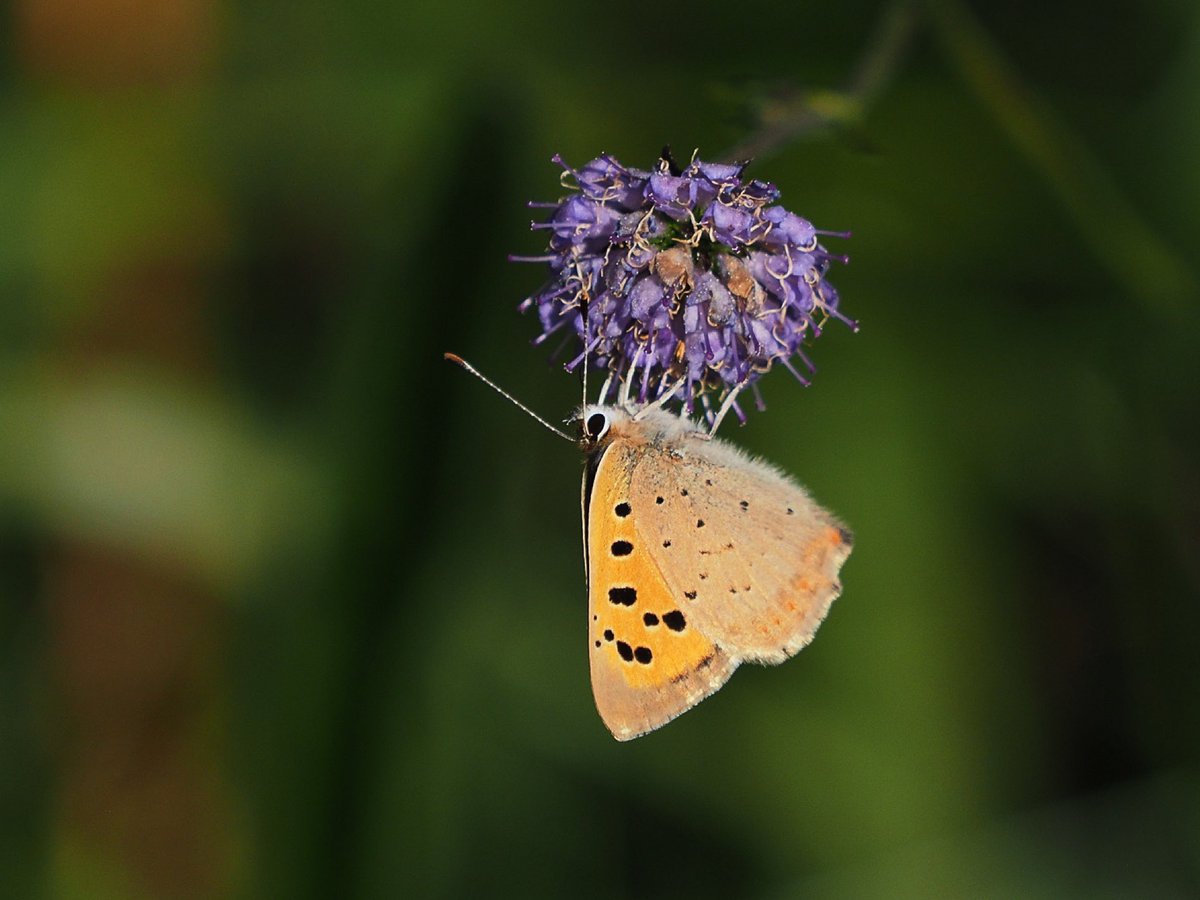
(116, 42)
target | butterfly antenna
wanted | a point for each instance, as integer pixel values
(462, 363)
(586, 352)
(583, 403)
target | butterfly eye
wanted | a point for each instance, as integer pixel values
(596, 426)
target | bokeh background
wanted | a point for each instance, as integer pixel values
(291, 608)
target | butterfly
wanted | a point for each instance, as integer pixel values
(698, 558)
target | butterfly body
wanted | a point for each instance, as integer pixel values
(698, 557)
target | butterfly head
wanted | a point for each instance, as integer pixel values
(598, 425)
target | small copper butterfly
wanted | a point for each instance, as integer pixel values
(698, 556)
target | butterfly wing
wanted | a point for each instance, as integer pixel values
(753, 557)
(649, 660)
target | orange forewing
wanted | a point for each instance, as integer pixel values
(649, 663)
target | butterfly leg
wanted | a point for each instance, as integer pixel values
(662, 399)
(726, 405)
(627, 382)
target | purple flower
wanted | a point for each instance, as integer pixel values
(681, 286)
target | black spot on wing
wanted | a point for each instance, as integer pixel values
(621, 548)
(622, 509)
(643, 655)
(625, 651)
(622, 596)
(675, 619)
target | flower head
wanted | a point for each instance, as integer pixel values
(682, 285)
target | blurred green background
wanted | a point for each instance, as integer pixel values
(291, 608)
